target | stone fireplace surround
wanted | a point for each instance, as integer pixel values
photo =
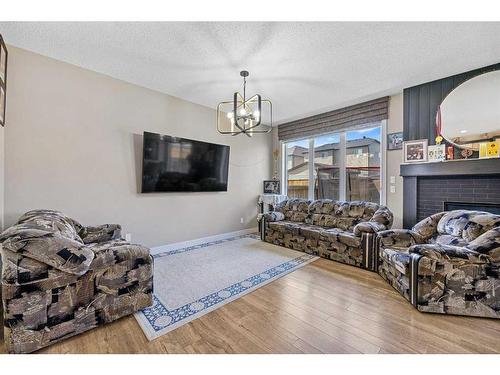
(428, 187)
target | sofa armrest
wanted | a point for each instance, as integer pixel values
(101, 233)
(383, 216)
(48, 247)
(273, 216)
(400, 238)
(449, 253)
(428, 226)
(368, 227)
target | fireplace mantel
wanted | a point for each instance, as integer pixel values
(461, 167)
(471, 180)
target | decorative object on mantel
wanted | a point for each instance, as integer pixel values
(395, 141)
(244, 115)
(436, 153)
(492, 149)
(466, 153)
(272, 187)
(415, 151)
(450, 153)
(3, 80)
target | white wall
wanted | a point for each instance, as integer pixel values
(394, 158)
(73, 143)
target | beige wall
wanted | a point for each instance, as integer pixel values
(395, 124)
(73, 143)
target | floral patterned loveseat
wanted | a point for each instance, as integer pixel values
(448, 263)
(60, 279)
(341, 231)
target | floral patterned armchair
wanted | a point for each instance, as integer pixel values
(60, 279)
(448, 263)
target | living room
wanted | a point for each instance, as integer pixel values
(201, 187)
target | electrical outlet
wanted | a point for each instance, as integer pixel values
(242, 220)
(393, 180)
(128, 237)
(393, 189)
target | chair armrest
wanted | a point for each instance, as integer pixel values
(101, 233)
(400, 238)
(488, 243)
(48, 247)
(449, 253)
(368, 227)
(273, 216)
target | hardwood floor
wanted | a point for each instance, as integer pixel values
(324, 307)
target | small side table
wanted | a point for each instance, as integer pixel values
(267, 202)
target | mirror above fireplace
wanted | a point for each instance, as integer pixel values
(471, 112)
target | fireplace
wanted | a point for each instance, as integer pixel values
(460, 184)
(488, 207)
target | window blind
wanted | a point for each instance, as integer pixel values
(337, 120)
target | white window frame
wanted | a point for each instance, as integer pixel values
(342, 161)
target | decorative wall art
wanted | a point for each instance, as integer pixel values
(395, 141)
(272, 187)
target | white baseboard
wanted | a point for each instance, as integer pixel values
(179, 245)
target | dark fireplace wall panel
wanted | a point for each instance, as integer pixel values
(432, 192)
(420, 103)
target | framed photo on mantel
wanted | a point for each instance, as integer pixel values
(415, 151)
(3, 80)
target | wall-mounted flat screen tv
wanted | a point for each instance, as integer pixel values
(172, 164)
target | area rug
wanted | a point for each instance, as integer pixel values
(192, 281)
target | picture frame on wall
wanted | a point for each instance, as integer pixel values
(395, 141)
(3, 80)
(415, 151)
(272, 187)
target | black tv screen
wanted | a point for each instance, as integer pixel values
(172, 164)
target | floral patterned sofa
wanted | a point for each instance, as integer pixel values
(341, 231)
(60, 278)
(448, 263)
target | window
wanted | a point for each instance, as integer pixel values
(297, 166)
(363, 165)
(326, 167)
(345, 166)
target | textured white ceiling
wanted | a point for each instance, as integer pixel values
(304, 68)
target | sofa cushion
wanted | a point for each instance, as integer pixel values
(54, 221)
(467, 224)
(285, 226)
(448, 239)
(49, 247)
(338, 235)
(311, 231)
(296, 209)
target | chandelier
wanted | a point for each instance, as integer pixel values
(245, 116)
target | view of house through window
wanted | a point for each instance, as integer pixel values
(346, 166)
(297, 162)
(327, 167)
(363, 165)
